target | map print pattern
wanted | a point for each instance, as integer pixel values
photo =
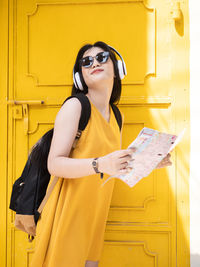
(151, 147)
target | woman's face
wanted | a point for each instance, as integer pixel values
(105, 70)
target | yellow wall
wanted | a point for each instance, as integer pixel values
(148, 225)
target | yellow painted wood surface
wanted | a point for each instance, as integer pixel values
(148, 225)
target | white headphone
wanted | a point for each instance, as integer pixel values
(120, 66)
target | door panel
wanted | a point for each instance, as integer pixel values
(145, 223)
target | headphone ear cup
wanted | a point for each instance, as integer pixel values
(120, 69)
(77, 81)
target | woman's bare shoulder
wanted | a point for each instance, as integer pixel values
(71, 108)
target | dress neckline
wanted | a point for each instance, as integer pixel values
(110, 109)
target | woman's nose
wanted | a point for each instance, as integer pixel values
(95, 63)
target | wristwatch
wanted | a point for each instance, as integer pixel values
(95, 166)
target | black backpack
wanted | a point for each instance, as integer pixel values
(30, 188)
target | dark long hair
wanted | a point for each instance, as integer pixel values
(116, 91)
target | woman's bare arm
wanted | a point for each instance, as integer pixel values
(65, 129)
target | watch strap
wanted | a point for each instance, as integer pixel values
(95, 166)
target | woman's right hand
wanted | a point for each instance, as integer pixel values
(116, 162)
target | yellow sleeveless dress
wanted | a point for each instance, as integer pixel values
(72, 225)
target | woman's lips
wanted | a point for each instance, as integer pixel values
(95, 71)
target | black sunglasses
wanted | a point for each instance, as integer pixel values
(101, 57)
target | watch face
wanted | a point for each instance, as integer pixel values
(94, 163)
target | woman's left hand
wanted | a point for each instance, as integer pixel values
(165, 162)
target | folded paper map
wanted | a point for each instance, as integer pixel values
(151, 147)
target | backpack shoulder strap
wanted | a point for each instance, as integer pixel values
(47, 195)
(118, 115)
(86, 109)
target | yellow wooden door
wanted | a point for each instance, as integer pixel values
(148, 225)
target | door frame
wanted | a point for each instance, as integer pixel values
(4, 87)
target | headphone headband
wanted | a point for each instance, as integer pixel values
(124, 65)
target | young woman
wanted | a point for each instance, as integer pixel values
(70, 231)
